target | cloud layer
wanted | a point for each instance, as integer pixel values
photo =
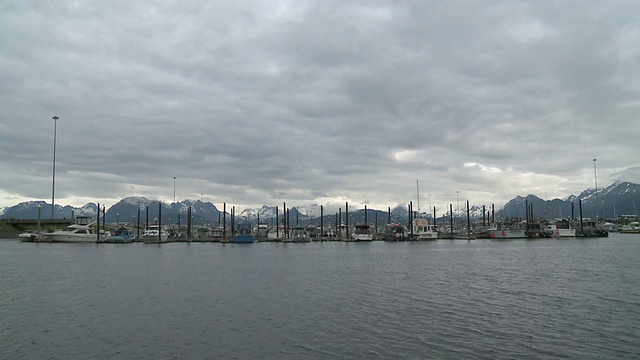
(261, 102)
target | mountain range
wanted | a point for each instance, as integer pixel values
(619, 198)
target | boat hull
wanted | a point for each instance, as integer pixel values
(243, 239)
(72, 239)
(501, 234)
(119, 239)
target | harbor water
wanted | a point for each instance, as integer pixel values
(446, 299)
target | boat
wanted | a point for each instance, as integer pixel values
(362, 233)
(243, 235)
(497, 232)
(590, 228)
(563, 228)
(299, 234)
(218, 233)
(262, 230)
(630, 228)
(556, 230)
(28, 235)
(312, 231)
(329, 233)
(536, 230)
(121, 235)
(154, 234)
(423, 231)
(394, 232)
(79, 232)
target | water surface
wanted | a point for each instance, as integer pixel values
(537, 299)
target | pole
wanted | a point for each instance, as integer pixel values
(97, 223)
(53, 188)
(595, 177)
(321, 222)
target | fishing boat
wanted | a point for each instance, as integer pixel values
(312, 231)
(590, 228)
(121, 235)
(299, 234)
(423, 231)
(492, 232)
(243, 235)
(155, 233)
(394, 232)
(362, 233)
(558, 230)
(262, 230)
(536, 230)
(79, 232)
(217, 233)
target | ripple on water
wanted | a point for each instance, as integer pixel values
(445, 299)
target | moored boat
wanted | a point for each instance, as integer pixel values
(243, 235)
(362, 233)
(423, 231)
(299, 234)
(556, 231)
(121, 235)
(493, 232)
(155, 234)
(630, 228)
(394, 232)
(261, 231)
(590, 228)
(28, 235)
(79, 232)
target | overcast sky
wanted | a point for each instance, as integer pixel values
(260, 102)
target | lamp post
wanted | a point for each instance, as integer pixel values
(174, 195)
(117, 220)
(53, 187)
(595, 177)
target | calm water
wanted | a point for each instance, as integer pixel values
(447, 299)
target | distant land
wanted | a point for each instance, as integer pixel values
(619, 198)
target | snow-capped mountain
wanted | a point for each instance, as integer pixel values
(29, 210)
(619, 198)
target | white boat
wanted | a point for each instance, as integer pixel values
(28, 234)
(561, 228)
(362, 233)
(555, 230)
(155, 233)
(497, 232)
(261, 231)
(80, 232)
(299, 234)
(630, 228)
(423, 231)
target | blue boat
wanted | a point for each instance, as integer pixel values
(243, 235)
(121, 235)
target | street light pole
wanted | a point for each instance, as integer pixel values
(174, 196)
(595, 177)
(53, 187)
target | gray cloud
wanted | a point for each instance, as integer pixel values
(316, 102)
